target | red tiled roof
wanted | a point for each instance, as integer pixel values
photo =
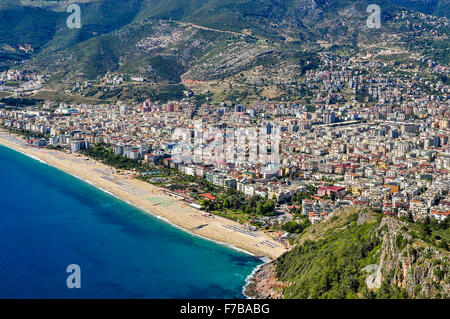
(207, 196)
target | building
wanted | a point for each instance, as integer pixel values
(393, 187)
(339, 192)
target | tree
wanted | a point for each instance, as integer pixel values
(410, 217)
(292, 227)
(268, 207)
(226, 204)
(426, 229)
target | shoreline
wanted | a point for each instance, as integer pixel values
(250, 278)
(263, 283)
(264, 259)
(145, 211)
(131, 191)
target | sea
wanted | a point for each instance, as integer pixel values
(50, 220)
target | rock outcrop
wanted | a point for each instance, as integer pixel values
(400, 262)
(264, 284)
(418, 267)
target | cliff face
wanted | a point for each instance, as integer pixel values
(356, 254)
(419, 268)
(264, 284)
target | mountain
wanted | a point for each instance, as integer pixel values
(439, 8)
(360, 254)
(174, 42)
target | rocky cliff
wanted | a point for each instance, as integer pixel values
(409, 263)
(357, 254)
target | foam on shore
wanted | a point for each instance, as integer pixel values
(145, 210)
(265, 260)
(28, 155)
(200, 236)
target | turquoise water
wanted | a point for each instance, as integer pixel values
(49, 220)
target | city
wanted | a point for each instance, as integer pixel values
(389, 152)
(190, 152)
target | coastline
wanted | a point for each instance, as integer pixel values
(252, 277)
(263, 283)
(149, 199)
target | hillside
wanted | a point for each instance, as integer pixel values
(230, 46)
(360, 254)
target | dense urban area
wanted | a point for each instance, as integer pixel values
(312, 134)
(372, 135)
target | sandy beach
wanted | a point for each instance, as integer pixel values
(151, 199)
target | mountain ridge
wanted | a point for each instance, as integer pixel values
(173, 41)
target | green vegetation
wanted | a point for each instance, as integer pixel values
(299, 197)
(55, 147)
(128, 37)
(17, 102)
(25, 133)
(227, 202)
(64, 98)
(235, 201)
(431, 231)
(308, 61)
(331, 266)
(105, 154)
(330, 258)
(294, 227)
